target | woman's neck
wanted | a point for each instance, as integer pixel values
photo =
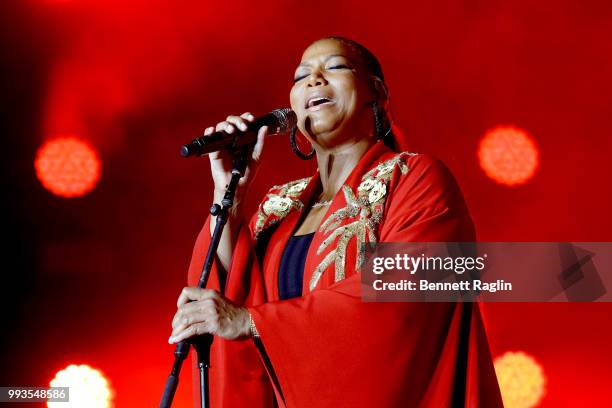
(337, 164)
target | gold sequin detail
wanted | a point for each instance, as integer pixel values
(368, 206)
(278, 203)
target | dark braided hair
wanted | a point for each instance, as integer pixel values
(382, 122)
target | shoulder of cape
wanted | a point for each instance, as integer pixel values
(291, 188)
(278, 203)
(384, 168)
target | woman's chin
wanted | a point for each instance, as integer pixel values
(321, 123)
(331, 140)
(322, 133)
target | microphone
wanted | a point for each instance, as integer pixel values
(278, 121)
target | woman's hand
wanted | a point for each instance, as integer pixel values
(221, 169)
(221, 161)
(203, 311)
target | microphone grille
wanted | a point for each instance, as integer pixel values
(286, 119)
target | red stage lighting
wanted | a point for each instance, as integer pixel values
(88, 388)
(508, 155)
(68, 167)
(521, 380)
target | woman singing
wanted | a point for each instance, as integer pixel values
(291, 329)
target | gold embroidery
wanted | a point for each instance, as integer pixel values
(368, 204)
(278, 203)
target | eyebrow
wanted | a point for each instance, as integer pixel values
(326, 59)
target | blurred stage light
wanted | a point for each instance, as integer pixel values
(68, 167)
(88, 388)
(521, 380)
(508, 155)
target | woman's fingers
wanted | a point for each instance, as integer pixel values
(192, 312)
(206, 311)
(259, 145)
(240, 122)
(194, 319)
(233, 122)
(225, 126)
(248, 116)
(193, 330)
(190, 293)
(208, 131)
(220, 161)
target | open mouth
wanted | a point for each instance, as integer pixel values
(318, 101)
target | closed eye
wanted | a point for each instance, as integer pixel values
(342, 66)
(299, 78)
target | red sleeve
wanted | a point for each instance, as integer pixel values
(238, 378)
(329, 348)
(427, 206)
(197, 259)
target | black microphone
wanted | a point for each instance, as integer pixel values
(278, 121)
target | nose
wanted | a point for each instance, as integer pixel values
(316, 78)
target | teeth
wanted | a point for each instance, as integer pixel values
(316, 101)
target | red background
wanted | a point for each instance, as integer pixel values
(94, 279)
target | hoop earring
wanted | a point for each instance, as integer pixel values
(381, 135)
(295, 147)
(378, 122)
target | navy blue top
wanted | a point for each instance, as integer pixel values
(291, 272)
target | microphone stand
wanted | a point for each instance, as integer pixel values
(202, 344)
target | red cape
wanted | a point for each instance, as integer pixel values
(327, 348)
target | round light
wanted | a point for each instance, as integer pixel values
(508, 155)
(87, 388)
(521, 380)
(68, 167)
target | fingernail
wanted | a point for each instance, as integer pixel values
(243, 127)
(171, 340)
(230, 129)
